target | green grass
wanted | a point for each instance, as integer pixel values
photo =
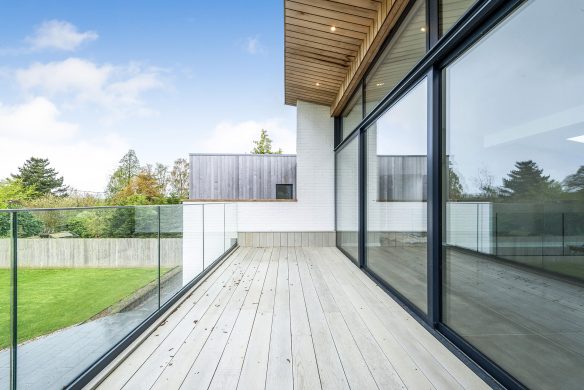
(52, 299)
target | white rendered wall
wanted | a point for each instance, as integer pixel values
(314, 209)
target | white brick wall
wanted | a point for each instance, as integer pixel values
(314, 210)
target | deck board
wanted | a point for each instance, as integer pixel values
(290, 318)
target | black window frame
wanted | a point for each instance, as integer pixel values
(289, 186)
(479, 19)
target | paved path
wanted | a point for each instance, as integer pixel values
(52, 361)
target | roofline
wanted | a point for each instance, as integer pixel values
(242, 154)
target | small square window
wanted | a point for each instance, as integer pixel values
(284, 191)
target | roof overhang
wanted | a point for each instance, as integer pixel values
(330, 44)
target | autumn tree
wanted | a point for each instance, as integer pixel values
(128, 168)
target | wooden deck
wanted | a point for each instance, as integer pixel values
(290, 318)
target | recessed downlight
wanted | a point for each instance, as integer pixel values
(317, 84)
(333, 28)
(423, 29)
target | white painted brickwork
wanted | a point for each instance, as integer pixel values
(314, 210)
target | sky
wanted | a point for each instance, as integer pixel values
(81, 82)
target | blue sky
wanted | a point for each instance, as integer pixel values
(83, 81)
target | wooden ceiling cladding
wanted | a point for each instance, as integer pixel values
(322, 65)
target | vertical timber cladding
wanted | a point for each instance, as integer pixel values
(240, 176)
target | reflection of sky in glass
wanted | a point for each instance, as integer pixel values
(519, 95)
(402, 130)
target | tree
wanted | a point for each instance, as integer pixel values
(455, 190)
(485, 183)
(12, 195)
(143, 189)
(575, 182)
(527, 181)
(36, 173)
(129, 167)
(179, 179)
(264, 145)
(161, 175)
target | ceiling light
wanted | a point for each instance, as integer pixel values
(423, 29)
(318, 84)
(379, 84)
(333, 28)
(579, 138)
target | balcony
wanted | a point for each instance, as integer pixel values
(283, 318)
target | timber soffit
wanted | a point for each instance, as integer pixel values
(330, 44)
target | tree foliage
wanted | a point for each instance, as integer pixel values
(575, 183)
(36, 173)
(128, 168)
(142, 189)
(179, 179)
(264, 145)
(455, 189)
(527, 182)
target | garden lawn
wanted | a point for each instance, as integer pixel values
(52, 299)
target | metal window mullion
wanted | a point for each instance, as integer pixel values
(434, 188)
(362, 197)
(433, 23)
(159, 260)
(14, 303)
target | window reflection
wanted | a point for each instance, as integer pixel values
(451, 11)
(352, 114)
(347, 198)
(404, 50)
(396, 196)
(514, 242)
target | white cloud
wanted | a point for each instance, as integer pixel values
(253, 45)
(118, 89)
(37, 119)
(230, 137)
(36, 129)
(59, 35)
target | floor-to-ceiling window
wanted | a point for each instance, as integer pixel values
(396, 196)
(513, 280)
(347, 198)
(352, 114)
(405, 48)
(451, 11)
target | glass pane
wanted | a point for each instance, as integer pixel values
(284, 191)
(347, 207)
(5, 297)
(171, 251)
(396, 196)
(85, 279)
(192, 242)
(451, 11)
(352, 114)
(230, 225)
(214, 223)
(404, 50)
(514, 240)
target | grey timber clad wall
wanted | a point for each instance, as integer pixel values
(240, 177)
(402, 178)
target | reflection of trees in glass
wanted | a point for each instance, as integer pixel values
(527, 181)
(485, 183)
(455, 189)
(575, 183)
